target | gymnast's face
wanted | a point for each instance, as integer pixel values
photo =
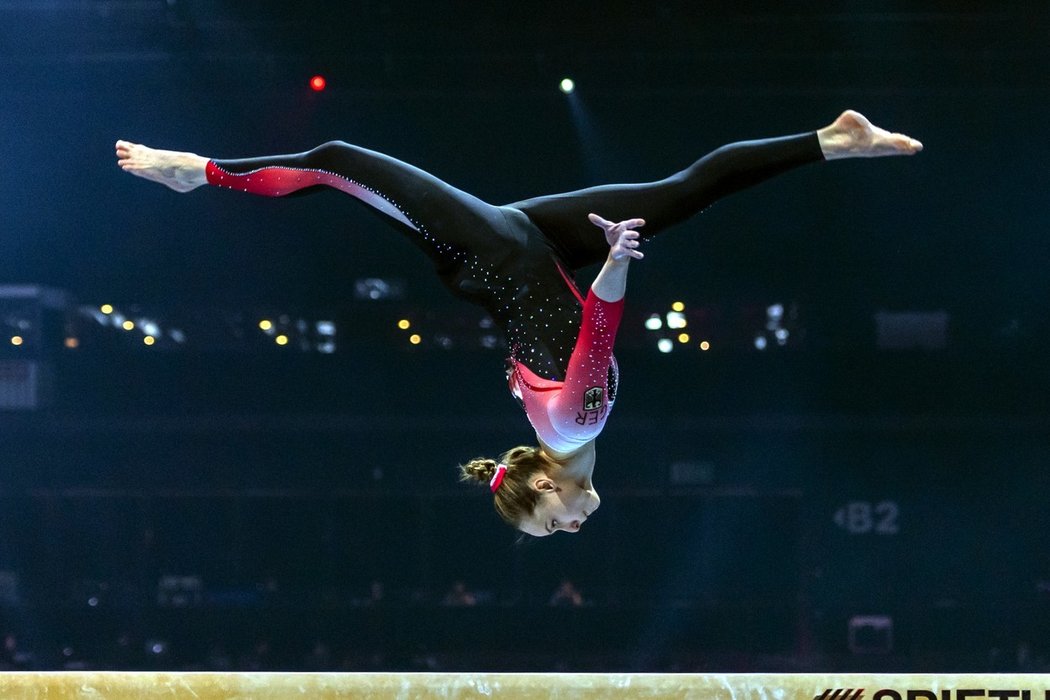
(563, 506)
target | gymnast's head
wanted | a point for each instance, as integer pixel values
(531, 493)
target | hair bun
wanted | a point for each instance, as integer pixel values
(480, 470)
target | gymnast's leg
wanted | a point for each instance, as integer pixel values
(726, 170)
(446, 219)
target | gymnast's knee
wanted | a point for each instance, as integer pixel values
(714, 161)
(330, 148)
(331, 155)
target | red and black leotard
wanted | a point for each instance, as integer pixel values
(518, 261)
(568, 414)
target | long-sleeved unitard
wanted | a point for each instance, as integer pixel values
(518, 260)
(570, 413)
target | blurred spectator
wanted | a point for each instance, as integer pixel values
(319, 658)
(72, 660)
(258, 659)
(376, 593)
(459, 596)
(218, 659)
(12, 658)
(566, 595)
(125, 653)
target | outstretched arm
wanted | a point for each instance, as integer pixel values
(579, 410)
(611, 282)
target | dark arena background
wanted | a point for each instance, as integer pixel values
(230, 425)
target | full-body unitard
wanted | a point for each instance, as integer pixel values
(517, 260)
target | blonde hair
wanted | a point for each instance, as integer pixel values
(515, 499)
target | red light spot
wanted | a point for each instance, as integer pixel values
(317, 83)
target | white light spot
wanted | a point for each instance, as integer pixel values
(676, 320)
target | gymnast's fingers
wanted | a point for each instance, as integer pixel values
(599, 221)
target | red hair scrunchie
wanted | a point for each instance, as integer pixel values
(497, 478)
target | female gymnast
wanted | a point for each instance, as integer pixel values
(518, 262)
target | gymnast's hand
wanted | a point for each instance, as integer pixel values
(623, 239)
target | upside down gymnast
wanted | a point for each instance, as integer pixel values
(518, 262)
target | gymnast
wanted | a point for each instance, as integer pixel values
(518, 262)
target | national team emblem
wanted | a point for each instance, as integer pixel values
(592, 400)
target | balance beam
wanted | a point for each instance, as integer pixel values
(116, 685)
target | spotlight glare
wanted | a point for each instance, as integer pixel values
(281, 339)
(106, 309)
(265, 325)
(72, 343)
(318, 83)
(567, 85)
(16, 340)
(654, 322)
(676, 320)
(149, 340)
(705, 346)
(128, 325)
(678, 306)
(760, 342)
(683, 337)
(404, 324)
(415, 339)
(665, 345)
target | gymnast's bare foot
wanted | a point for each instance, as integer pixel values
(853, 136)
(180, 171)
